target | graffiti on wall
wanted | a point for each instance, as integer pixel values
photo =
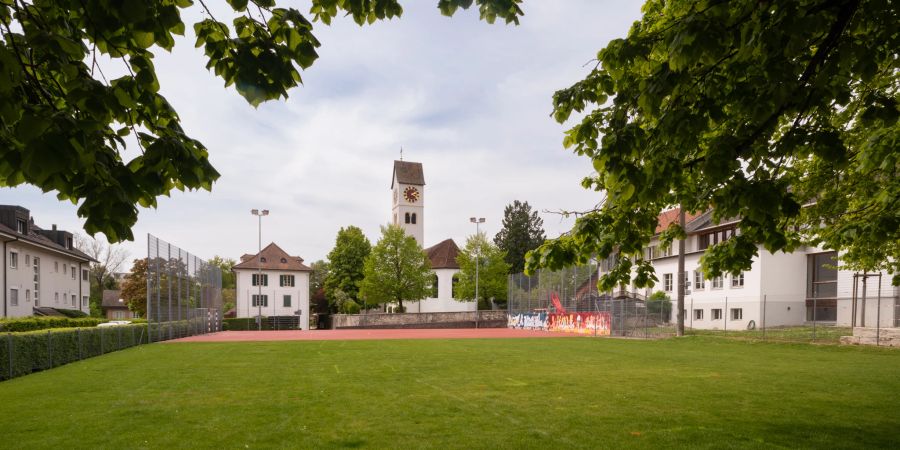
(592, 323)
(527, 321)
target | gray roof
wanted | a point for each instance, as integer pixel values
(407, 172)
(35, 237)
(113, 299)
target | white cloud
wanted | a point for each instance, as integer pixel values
(471, 101)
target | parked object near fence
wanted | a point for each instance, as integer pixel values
(182, 289)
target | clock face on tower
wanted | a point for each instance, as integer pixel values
(411, 194)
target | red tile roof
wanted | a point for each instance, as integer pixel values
(273, 258)
(408, 173)
(669, 217)
(443, 255)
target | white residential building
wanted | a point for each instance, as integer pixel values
(272, 283)
(779, 289)
(41, 268)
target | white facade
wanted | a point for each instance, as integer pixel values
(278, 300)
(444, 302)
(776, 291)
(408, 209)
(39, 272)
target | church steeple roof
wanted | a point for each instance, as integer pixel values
(407, 172)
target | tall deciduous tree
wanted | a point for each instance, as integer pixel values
(317, 299)
(65, 122)
(493, 271)
(523, 231)
(229, 295)
(110, 258)
(782, 113)
(345, 263)
(397, 270)
(134, 288)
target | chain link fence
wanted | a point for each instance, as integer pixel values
(184, 293)
(568, 301)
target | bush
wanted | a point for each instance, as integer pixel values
(34, 351)
(44, 323)
(73, 313)
(659, 304)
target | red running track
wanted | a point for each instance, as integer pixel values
(356, 335)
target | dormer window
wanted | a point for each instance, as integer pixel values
(69, 243)
(21, 226)
(284, 260)
(262, 259)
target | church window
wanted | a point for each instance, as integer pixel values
(407, 217)
(434, 285)
(414, 218)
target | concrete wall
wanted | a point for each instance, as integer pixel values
(56, 287)
(299, 295)
(495, 319)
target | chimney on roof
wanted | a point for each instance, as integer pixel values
(54, 227)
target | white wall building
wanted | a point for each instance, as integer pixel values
(41, 268)
(444, 266)
(272, 283)
(779, 289)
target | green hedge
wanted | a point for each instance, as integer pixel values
(46, 323)
(73, 313)
(27, 352)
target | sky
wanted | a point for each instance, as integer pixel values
(469, 100)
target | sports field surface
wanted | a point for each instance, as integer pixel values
(698, 392)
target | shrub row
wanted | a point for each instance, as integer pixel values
(32, 351)
(74, 313)
(45, 323)
(24, 353)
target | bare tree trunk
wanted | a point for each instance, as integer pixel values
(680, 302)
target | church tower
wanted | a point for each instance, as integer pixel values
(408, 192)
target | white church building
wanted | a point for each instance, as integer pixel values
(408, 211)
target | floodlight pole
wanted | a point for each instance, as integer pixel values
(477, 222)
(259, 214)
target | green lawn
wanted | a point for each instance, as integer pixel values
(537, 393)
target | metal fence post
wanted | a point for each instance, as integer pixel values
(815, 313)
(78, 332)
(765, 296)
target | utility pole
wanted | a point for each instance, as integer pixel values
(260, 215)
(681, 275)
(477, 221)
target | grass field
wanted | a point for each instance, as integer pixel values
(536, 393)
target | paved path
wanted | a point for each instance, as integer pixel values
(355, 335)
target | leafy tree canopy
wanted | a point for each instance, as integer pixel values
(224, 265)
(134, 288)
(345, 266)
(65, 123)
(397, 270)
(493, 271)
(522, 231)
(782, 113)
